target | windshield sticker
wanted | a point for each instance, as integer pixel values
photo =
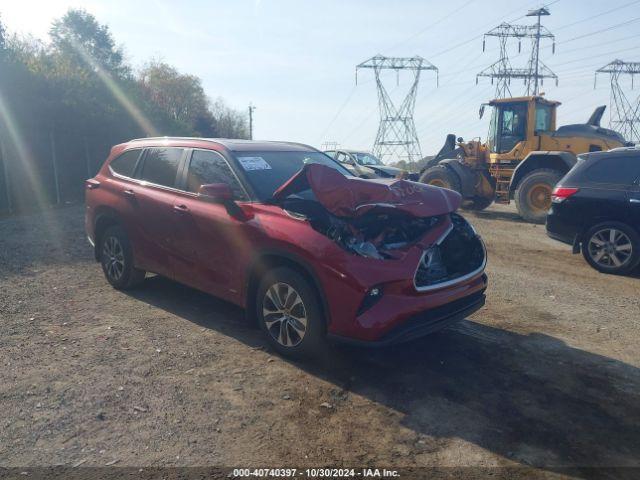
(254, 163)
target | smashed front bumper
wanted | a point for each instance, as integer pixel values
(424, 323)
(448, 285)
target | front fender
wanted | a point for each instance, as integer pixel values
(557, 160)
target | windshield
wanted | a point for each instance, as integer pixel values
(366, 159)
(267, 171)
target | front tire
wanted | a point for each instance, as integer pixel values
(441, 176)
(116, 257)
(612, 247)
(533, 195)
(477, 204)
(289, 313)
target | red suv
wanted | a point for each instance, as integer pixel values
(286, 232)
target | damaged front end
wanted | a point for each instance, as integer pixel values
(457, 255)
(381, 218)
(374, 235)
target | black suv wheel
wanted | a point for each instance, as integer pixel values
(612, 247)
(116, 257)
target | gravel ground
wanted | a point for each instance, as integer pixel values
(544, 377)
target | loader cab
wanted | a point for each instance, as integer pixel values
(516, 125)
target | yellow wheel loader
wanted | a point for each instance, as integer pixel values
(523, 158)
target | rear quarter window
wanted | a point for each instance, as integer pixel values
(125, 164)
(616, 170)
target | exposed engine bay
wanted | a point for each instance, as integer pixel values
(376, 218)
(373, 235)
(459, 253)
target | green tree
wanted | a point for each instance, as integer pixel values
(180, 96)
(2, 37)
(229, 122)
(79, 38)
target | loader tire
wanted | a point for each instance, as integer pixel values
(441, 176)
(477, 204)
(533, 194)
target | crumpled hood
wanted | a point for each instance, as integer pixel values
(353, 197)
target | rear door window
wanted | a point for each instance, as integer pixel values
(161, 166)
(125, 164)
(615, 170)
(209, 167)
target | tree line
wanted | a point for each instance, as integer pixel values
(65, 101)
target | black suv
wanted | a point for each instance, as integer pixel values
(596, 208)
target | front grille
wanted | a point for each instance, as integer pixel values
(459, 254)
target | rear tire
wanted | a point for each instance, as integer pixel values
(289, 313)
(533, 195)
(441, 176)
(612, 247)
(116, 257)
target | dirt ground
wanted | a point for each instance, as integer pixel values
(545, 376)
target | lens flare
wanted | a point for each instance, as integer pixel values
(143, 122)
(24, 155)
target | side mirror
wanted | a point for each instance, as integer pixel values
(216, 192)
(222, 193)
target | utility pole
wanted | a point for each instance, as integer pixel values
(251, 109)
(502, 72)
(624, 112)
(397, 136)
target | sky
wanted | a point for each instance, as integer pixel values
(295, 59)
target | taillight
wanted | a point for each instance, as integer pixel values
(560, 194)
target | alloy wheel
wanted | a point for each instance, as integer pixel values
(113, 258)
(284, 314)
(610, 247)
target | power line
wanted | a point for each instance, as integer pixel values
(600, 31)
(437, 22)
(344, 104)
(597, 15)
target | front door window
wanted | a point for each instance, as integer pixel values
(512, 125)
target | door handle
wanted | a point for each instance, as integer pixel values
(634, 200)
(181, 208)
(129, 193)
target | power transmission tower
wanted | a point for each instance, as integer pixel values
(624, 113)
(502, 72)
(539, 69)
(397, 136)
(329, 146)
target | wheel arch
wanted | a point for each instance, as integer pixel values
(105, 217)
(602, 220)
(267, 260)
(554, 160)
